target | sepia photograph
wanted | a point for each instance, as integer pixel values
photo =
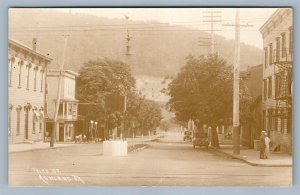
(109, 97)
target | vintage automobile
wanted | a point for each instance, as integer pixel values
(188, 136)
(200, 139)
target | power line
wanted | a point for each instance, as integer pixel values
(213, 17)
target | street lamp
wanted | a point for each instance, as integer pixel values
(91, 128)
(96, 131)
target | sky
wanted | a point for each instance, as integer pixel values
(193, 18)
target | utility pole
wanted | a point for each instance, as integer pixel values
(212, 17)
(236, 83)
(55, 120)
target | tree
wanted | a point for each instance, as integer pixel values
(98, 78)
(203, 90)
(104, 76)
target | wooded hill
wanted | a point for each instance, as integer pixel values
(158, 49)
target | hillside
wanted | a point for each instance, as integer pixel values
(158, 49)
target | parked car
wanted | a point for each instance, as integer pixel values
(200, 139)
(188, 136)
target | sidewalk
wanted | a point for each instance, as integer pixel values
(46, 145)
(251, 157)
(35, 146)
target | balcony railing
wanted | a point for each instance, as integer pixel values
(283, 87)
(282, 57)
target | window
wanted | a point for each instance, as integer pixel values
(270, 87)
(33, 123)
(266, 57)
(42, 79)
(60, 109)
(28, 74)
(265, 89)
(270, 53)
(277, 49)
(18, 121)
(276, 127)
(20, 63)
(11, 62)
(277, 86)
(283, 45)
(290, 40)
(9, 118)
(270, 121)
(282, 125)
(36, 68)
(41, 127)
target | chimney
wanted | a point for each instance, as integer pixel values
(34, 42)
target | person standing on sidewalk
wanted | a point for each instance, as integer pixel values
(267, 143)
(262, 145)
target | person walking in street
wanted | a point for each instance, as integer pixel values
(262, 145)
(267, 144)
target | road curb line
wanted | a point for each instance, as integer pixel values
(251, 163)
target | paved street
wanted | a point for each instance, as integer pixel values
(169, 162)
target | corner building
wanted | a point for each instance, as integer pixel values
(26, 93)
(277, 35)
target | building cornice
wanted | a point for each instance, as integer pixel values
(25, 49)
(276, 17)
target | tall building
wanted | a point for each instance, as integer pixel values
(67, 112)
(26, 92)
(277, 35)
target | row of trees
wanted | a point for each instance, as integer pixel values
(203, 91)
(98, 78)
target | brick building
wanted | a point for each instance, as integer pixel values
(67, 112)
(26, 92)
(277, 35)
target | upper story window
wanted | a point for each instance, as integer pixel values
(36, 68)
(277, 86)
(270, 87)
(266, 57)
(29, 65)
(277, 49)
(20, 63)
(290, 40)
(270, 53)
(42, 79)
(11, 62)
(265, 89)
(283, 45)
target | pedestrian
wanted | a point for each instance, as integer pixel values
(267, 143)
(262, 145)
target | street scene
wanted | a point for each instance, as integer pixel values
(150, 97)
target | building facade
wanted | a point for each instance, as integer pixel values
(26, 92)
(67, 112)
(277, 35)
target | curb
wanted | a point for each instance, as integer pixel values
(37, 149)
(232, 156)
(144, 146)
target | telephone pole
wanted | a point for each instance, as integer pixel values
(236, 83)
(55, 120)
(212, 17)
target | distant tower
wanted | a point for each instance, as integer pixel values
(128, 38)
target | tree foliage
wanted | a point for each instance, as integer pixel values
(104, 76)
(203, 91)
